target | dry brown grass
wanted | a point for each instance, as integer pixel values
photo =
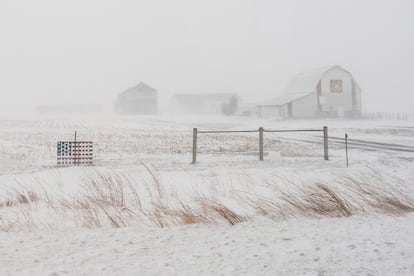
(201, 211)
(22, 221)
(325, 201)
(218, 210)
(322, 200)
(155, 178)
(163, 216)
(109, 199)
(19, 197)
(105, 199)
(395, 203)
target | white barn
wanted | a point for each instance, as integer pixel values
(325, 92)
(140, 99)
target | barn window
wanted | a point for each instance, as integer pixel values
(336, 86)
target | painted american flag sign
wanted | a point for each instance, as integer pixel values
(74, 153)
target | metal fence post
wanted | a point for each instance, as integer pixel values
(346, 148)
(325, 142)
(261, 130)
(194, 146)
(75, 152)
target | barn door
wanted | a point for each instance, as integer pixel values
(290, 110)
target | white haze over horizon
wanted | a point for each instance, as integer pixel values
(69, 52)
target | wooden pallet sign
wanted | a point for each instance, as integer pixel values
(79, 153)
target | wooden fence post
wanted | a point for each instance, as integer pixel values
(261, 130)
(325, 142)
(194, 146)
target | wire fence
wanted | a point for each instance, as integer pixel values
(260, 137)
(399, 116)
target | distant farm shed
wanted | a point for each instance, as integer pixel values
(140, 99)
(325, 92)
(208, 103)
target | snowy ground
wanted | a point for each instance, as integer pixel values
(230, 214)
(377, 245)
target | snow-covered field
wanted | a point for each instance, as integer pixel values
(143, 208)
(374, 245)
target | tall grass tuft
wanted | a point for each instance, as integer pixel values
(109, 199)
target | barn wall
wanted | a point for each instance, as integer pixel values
(304, 107)
(339, 101)
(141, 107)
(139, 102)
(358, 94)
(283, 111)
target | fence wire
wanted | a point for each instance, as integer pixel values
(286, 142)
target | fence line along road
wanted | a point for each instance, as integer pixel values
(362, 144)
(226, 131)
(373, 145)
(261, 131)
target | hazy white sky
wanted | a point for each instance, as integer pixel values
(54, 51)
